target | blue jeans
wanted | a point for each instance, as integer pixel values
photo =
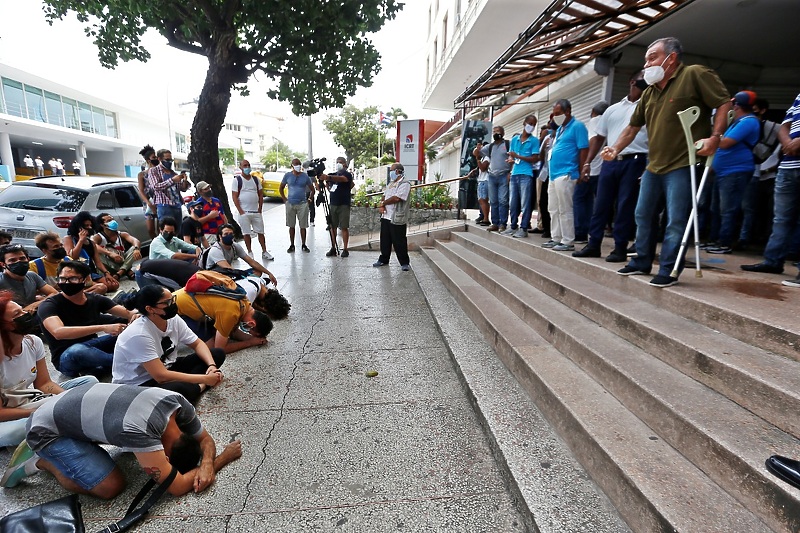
(617, 184)
(85, 463)
(483, 190)
(582, 205)
(91, 357)
(749, 207)
(173, 211)
(13, 432)
(787, 203)
(498, 199)
(520, 200)
(729, 191)
(676, 188)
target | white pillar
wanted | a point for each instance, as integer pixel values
(80, 157)
(6, 155)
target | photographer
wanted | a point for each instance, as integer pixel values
(339, 184)
(296, 205)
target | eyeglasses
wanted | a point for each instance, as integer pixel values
(71, 279)
(166, 302)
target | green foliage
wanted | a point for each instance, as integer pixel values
(428, 197)
(317, 52)
(227, 156)
(357, 132)
(281, 153)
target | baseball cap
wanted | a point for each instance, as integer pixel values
(745, 99)
(194, 203)
(202, 185)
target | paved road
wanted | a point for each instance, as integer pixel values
(325, 447)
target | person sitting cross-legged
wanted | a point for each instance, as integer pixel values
(145, 353)
(225, 252)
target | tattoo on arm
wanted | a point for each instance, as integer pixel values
(153, 472)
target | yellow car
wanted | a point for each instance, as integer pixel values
(270, 183)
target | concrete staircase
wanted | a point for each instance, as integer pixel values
(670, 404)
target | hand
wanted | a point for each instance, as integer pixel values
(512, 155)
(793, 148)
(708, 146)
(214, 213)
(137, 254)
(241, 212)
(609, 153)
(257, 341)
(231, 452)
(585, 174)
(114, 329)
(133, 317)
(116, 257)
(83, 234)
(204, 477)
(213, 378)
(381, 209)
(272, 278)
(179, 178)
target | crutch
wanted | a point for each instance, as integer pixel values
(688, 117)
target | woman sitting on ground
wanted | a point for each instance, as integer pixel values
(80, 247)
(145, 353)
(22, 364)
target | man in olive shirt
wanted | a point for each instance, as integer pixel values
(673, 87)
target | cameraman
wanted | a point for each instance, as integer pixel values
(296, 205)
(339, 184)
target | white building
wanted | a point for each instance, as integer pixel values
(505, 59)
(44, 118)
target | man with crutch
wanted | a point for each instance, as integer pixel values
(672, 87)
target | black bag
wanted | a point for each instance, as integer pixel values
(65, 516)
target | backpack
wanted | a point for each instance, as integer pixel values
(766, 144)
(258, 180)
(491, 146)
(211, 282)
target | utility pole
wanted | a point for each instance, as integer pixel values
(310, 149)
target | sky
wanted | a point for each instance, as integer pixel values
(63, 52)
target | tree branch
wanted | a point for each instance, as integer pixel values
(229, 10)
(172, 34)
(208, 10)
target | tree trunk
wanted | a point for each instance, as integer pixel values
(208, 121)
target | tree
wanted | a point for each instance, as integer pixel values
(230, 157)
(281, 153)
(317, 53)
(357, 131)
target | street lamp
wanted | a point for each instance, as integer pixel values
(275, 144)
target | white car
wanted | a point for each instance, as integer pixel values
(49, 204)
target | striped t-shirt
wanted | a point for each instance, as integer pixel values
(793, 119)
(133, 418)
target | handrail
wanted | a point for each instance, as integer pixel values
(419, 185)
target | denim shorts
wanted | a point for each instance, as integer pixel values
(85, 463)
(483, 190)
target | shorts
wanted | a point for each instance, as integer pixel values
(483, 190)
(251, 223)
(297, 213)
(148, 213)
(85, 463)
(340, 216)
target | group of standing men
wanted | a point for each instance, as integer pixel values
(35, 167)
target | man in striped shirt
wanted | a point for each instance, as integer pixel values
(166, 186)
(159, 426)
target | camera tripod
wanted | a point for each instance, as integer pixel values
(322, 198)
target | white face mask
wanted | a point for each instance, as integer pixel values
(339, 167)
(559, 119)
(655, 74)
(529, 128)
(297, 168)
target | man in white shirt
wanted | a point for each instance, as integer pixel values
(28, 164)
(249, 200)
(618, 183)
(39, 166)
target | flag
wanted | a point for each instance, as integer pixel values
(384, 119)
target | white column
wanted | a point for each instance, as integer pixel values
(6, 155)
(80, 150)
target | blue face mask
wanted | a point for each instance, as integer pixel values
(392, 175)
(113, 225)
(227, 239)
(246, 171)
(167, 163)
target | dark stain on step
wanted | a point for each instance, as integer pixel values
(758, 289)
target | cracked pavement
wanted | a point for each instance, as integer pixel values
(326, 448)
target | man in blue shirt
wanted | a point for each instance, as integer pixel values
(523, 153)
(734, 166)
(296, 204)
(567, 157)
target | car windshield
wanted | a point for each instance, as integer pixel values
(43, 197)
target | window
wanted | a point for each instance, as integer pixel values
(85, 113)
(106, 200)
(428, 68)
(180, 143)
(127, 197)
(435, 53)
(14, 98)
(458, 12)
(444, 34)
(111, 125)
(430, 17)
(35, 101)
(52, 104)
(99, 120)
(70, 108)
(43, 197)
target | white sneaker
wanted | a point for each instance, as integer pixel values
(250, 253)
(521, 234)
(266, 255)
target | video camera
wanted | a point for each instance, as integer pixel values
(315, 167)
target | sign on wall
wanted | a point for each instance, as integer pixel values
(410, 147)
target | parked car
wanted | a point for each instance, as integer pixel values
(49, 204)
(271, 183)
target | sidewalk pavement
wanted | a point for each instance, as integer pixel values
(326, 447)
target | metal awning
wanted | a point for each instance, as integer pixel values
(567, 35)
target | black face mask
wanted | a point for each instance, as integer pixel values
(497, 136)
(198, 212)
(70, 289)
(19, 269)
(167, 235)
(153, 162)
(59, 254)
(27, 323)
(640, 84)
(170, 311)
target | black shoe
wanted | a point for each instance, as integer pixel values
(785, 469)
(290, 250)
(631, 251)
(345, 253)
(632, 271)
(479, 219)
(587, 251)
(546, 235)
(617, 256)
(763, 267)
(305, 248)
(663, 281)
(535, 230)
(332, 253)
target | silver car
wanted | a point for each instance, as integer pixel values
(49, 204)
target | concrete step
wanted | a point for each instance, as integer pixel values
(714, 301)
(653, 486)
(702, 424)
(752, 377)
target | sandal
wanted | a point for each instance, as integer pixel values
(130, 274)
